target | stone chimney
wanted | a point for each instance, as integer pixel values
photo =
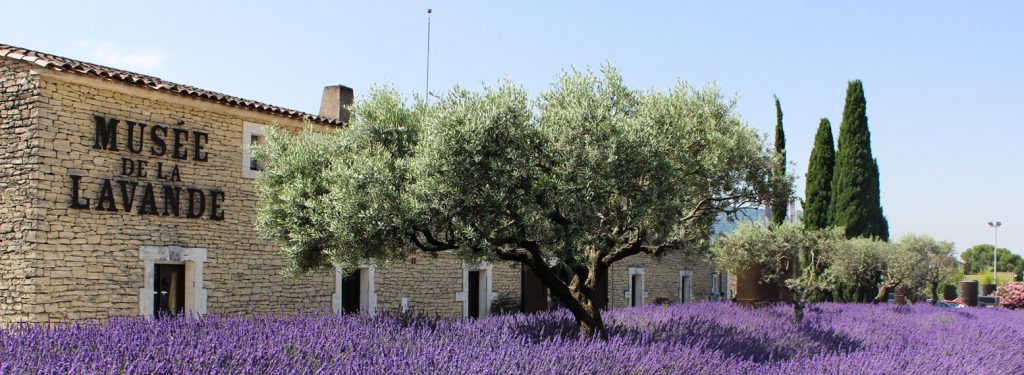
(335, 102)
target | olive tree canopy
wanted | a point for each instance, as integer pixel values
(939, 263)
(860, 262)
(788, 255)
(587, 174)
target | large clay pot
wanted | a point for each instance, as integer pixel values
(988, 289)
(751, 293)
(969, 293)
(900, 298)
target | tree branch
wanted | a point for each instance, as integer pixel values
(432, 245)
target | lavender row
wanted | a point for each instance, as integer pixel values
(709, 338)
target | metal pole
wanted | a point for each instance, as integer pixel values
(995, 257)
(995, 252)
(427, 92)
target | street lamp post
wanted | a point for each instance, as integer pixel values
(995, 251)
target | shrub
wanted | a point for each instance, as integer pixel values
(986, 279)
(1011, 295)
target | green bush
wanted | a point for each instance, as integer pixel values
(986, 278)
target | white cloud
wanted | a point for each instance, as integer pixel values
(108, 54)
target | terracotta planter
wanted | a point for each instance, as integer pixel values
(900, 298)
(969, 293)
(751, 293)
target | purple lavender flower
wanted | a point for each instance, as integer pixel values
(709, 338)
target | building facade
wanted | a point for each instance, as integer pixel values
(126, 195)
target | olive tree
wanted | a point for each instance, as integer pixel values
(587, 174)
(859, 262)
(902, 267)
(938, 261)
(813, 274)
(789, 256)
(913, 262)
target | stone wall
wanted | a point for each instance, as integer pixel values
(432, 284)
(89, 259)
(19, 165)
(661, 277)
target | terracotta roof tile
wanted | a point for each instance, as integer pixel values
(64, 64)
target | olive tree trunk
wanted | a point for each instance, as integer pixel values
(579, 295)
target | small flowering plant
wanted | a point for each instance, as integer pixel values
(1011, 295)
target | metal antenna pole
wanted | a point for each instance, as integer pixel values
(427, 91)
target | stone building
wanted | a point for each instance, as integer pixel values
(124, 195)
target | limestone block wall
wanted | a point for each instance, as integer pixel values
(508, 285)
(89, 259)
(432, 283)
(661, 277)
(20, 165)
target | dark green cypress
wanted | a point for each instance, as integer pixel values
(879, 224)
(780, 202)
(818, 191)
(855, 189)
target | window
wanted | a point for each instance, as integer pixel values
(255, 140)
(726, 286)
(476, 294)
(355, 293)
(636, 292)
(685, 286)
(715, 287)
(252, 134)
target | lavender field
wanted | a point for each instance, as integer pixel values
(710, 338)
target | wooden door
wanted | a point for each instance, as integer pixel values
(534, 293)
(637, 287)
(474, 294)
(350, 290)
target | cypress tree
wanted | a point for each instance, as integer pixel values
(818, 191)
(879, 224)
(780, 202)
(855, 190)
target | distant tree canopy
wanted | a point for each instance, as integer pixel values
(979, 260)
(586, 175)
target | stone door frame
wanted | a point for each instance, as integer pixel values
(630, 272)
(486, 289)
(367, 290)
(685, 286)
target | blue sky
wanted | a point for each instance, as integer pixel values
(942, 79)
